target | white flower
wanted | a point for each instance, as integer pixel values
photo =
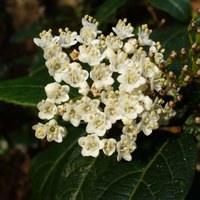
(89, 31)
(87, 107)
(98, 124)
(57, 93)
(125, 147)
(75, 76)
(149, 122)
(91, 145)
(102, 76)
(40, 131)
(122, 30)
(130, 80)
(52, 50)
(55, 132)
(131, 130)
(113, 42)
(109, 146)
(57, 65)
(84, 89)
(45, 40)
(158, 57)
(52, 130)
(47, 109)
(130, 46)
(153, 75)
(68, 113)
(143, 36)
(147, 102)
(166, 114)
(112, 111)
(129, 106)
(90, 54)
(67, 38)
(108, 97)
(119, 62)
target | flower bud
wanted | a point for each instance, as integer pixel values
(171, 104)
(187, 78)
(175, 85)
(162, 92)
(173, 55)
(171, 75)
(198, 72)
(183, 51)
(180, 97)
(197, 120)
(185, 68)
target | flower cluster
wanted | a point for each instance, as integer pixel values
(118, 79)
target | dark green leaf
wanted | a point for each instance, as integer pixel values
(179, 9)
(108, 8)
(27, 91)
(162, 168)
(28, 32)
(172, 38)
(191, 127)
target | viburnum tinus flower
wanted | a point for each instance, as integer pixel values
(117, 80)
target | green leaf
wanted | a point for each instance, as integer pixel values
(179, 9)
(191, 127)
(172, 38)
(27, 91)
(162, 168)
(108, 8)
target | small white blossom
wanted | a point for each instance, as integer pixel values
(112, 112)
(87, 107)
(52, 50)
(125, 147)
(68, 113)
(57, 93)
(40, 131)
(130, 46)
(102, 76)
(113, 42)
(91, 145)
(122, 30)
(47, 109)
(119, 62)
(55, 132)
(143, 36)
(98, 124)
(75, 76)
(130, 80)
(90, 54)
(129, 106)
(109, 146)
(88, 32)
(131, 130)
(84, 89)
(67, 38)
(58, 65)
(51, 130)
(149, 122)
(46, 39)
(166, 114)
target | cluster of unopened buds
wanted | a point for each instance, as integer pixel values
(119, 82)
